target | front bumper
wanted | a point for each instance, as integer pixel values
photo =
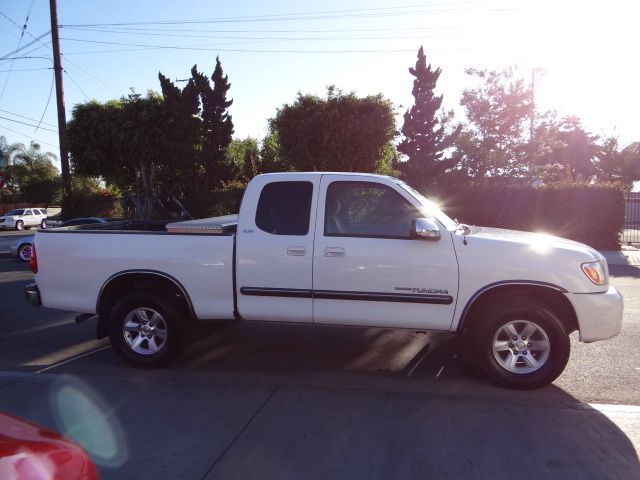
(32, 294)
(13, 249)
(599, 314)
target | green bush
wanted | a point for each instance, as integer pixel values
(589, 214)
(227, 199)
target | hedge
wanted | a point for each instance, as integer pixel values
(590, 214)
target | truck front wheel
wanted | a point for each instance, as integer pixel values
(521, 344)
(146, 331)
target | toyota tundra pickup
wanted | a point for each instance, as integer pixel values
(333, 249)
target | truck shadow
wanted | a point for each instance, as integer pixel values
(422, 413)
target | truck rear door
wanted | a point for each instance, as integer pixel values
(275, 248)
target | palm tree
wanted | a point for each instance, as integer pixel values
(30, 171)
(8, 151)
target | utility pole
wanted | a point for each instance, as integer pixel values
(67, 198)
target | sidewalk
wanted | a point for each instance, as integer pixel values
(622, 257)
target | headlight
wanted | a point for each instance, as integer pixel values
(595, 272)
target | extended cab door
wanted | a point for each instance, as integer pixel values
(368, 270)
(275, 248)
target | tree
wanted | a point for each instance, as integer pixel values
(271, 159)
(201, 132)
(158, 146)
(342, 132)
(32, 173)
(120, 141)
(244, 155)
(564, 150)
(425, 139)
(616, 165)
(8, 150)
(493, 144)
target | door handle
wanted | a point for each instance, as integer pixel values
(297, 251)
(334, 252)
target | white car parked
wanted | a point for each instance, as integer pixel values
(22, 218)
(333, 249)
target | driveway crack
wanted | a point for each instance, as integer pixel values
(217, 460)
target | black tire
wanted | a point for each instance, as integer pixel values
(171, 324)
(19, 225)
(24, 252)
(43, 224)
(532, 367)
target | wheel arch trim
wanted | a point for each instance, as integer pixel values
(156, 273)
(506, 283)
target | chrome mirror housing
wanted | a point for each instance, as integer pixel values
(425, 229)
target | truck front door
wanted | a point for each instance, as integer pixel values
(368, 270)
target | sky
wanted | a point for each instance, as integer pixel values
(583, 51)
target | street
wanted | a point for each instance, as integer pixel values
(252, 400)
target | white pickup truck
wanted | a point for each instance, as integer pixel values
(333, 249)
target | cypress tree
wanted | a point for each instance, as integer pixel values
(424, 134)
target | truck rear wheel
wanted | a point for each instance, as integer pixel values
(146, 331)
(521, 344)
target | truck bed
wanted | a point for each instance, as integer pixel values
(75, 263)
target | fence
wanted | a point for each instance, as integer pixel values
(631, 231)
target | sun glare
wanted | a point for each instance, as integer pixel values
(585, 52)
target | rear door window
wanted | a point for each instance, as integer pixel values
(284, 208)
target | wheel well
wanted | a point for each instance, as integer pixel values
(140, 282)
(550, 297)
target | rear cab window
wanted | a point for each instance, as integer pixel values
(284, 208)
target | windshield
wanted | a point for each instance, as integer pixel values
(429, 208)
(15, 212)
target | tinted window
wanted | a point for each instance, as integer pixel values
(367, 210)
(28, 212)
(43, 211)
(284, 208)
(16, 212)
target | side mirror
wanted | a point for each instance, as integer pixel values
(425, 229)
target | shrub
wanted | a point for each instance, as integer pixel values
(589, 214)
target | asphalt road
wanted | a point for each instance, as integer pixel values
(251, 400)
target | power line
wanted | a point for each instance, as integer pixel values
(26, 69)
(24, 29)
(89, 74)
(31, 137)
(307, 38)
(53, 79)
(27, 54)
(26, 118)
(315, 15)
(26, 46)
(208, 49)
(27, 124)
(76, 84)
(11, 20)
(335, 30)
